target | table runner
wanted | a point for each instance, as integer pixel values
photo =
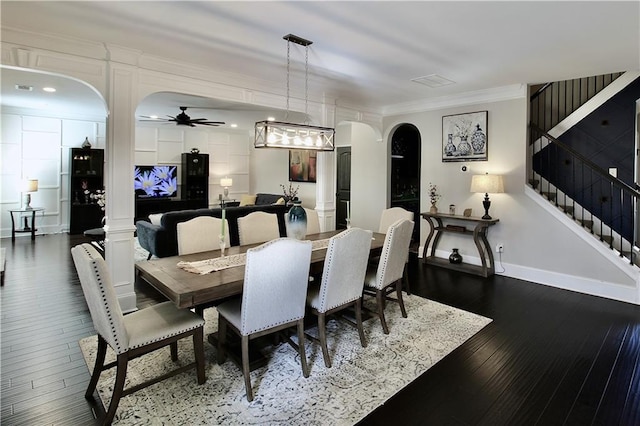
(207, 266)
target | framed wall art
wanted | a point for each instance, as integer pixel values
(464, 137)
(302, 165)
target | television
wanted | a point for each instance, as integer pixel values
(152, 182)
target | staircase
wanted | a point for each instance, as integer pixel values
(569, 171)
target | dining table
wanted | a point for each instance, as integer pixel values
(193, 290)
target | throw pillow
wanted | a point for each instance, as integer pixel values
(156, 218)
(280, 201)
(247, 200)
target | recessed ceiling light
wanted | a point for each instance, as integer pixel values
(153, 116)
(234, 125)
(49, 89)
(433, 80)
(271, 119)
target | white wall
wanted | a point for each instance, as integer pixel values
(228, 153)
(38, 147)
(537, 246)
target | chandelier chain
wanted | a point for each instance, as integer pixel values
(306, 81)
(286, 114)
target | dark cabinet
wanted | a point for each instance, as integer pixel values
(86, 177)
(195, 177)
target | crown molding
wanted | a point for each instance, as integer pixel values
(496, 94)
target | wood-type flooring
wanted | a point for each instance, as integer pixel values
(549, 357)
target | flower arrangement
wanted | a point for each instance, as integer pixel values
(290, 193)
(99, 197)
(463, 128)
(433, 193)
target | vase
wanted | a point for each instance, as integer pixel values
(86, 144)
(296, 221)
(455, 257)
(463, 147)
(450, 148)
(478, 140)
(434, 208)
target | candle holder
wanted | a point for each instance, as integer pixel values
(223, 245)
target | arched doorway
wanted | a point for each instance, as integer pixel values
(405, 172)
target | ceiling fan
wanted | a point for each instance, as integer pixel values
(183, 119)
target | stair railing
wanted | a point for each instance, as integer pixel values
(585, 191)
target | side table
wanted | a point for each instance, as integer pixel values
(24, 212)
(479, 233)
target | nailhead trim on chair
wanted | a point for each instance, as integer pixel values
(119, 349)
(329, 257)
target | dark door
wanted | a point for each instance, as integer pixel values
(343, 186)
(405, 173)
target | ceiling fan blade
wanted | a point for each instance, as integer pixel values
(214, 124)
(211, 122)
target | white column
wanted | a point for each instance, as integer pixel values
(123, 83)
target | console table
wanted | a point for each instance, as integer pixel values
(480, 227)
(24, 212)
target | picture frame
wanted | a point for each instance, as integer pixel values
(464, 137)
(302, 165)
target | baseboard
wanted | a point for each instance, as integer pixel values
(559, 280)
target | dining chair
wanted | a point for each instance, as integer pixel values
(342, 282)
(273, 299)
(258, 227)
(389, 217)
(313, 221)
(200, 234)
(132, 335)
(381, 278)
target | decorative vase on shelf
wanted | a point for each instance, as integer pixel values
(296, 222)
(86, 144)
(434, 208)
(463, 147)
(478, 140)
(455, 257)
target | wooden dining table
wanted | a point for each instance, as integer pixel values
(191, 290)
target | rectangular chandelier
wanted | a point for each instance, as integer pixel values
(278, 134)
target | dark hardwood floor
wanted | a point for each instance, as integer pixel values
(549, 357)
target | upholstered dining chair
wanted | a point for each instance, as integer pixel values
(273, 299)
(389, 217)
(342, 282)
(381, 279)
(313, 221)
(201, 233)
(258, 227)
(132, 335)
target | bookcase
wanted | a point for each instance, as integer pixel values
(86, 177)
(195, 178)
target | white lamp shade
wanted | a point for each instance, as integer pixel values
(30, 185)
(488, 184)
(226, 182)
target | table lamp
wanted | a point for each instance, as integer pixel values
(28, 186)
(488, 184)
(226, 183)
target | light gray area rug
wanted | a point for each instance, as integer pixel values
(360, 380)
(138, 252)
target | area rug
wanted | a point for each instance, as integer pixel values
(360, 379)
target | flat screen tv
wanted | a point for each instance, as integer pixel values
(155, 181)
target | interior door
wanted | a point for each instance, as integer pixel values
(343, 185)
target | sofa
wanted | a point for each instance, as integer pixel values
(161, 239)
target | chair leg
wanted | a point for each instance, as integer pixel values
(174, 351)
(149, 257)
(358, 307)
(198, 347)
(399, 295)
(301, 351)
(322, 330)
(222, 340)
(380, 298)
(118, 387)
(97, 367)
(405, 277)
(245, 367)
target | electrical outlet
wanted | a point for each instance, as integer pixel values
(500, 248)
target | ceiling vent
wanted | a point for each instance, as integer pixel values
(433, 81)
(24, 87)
